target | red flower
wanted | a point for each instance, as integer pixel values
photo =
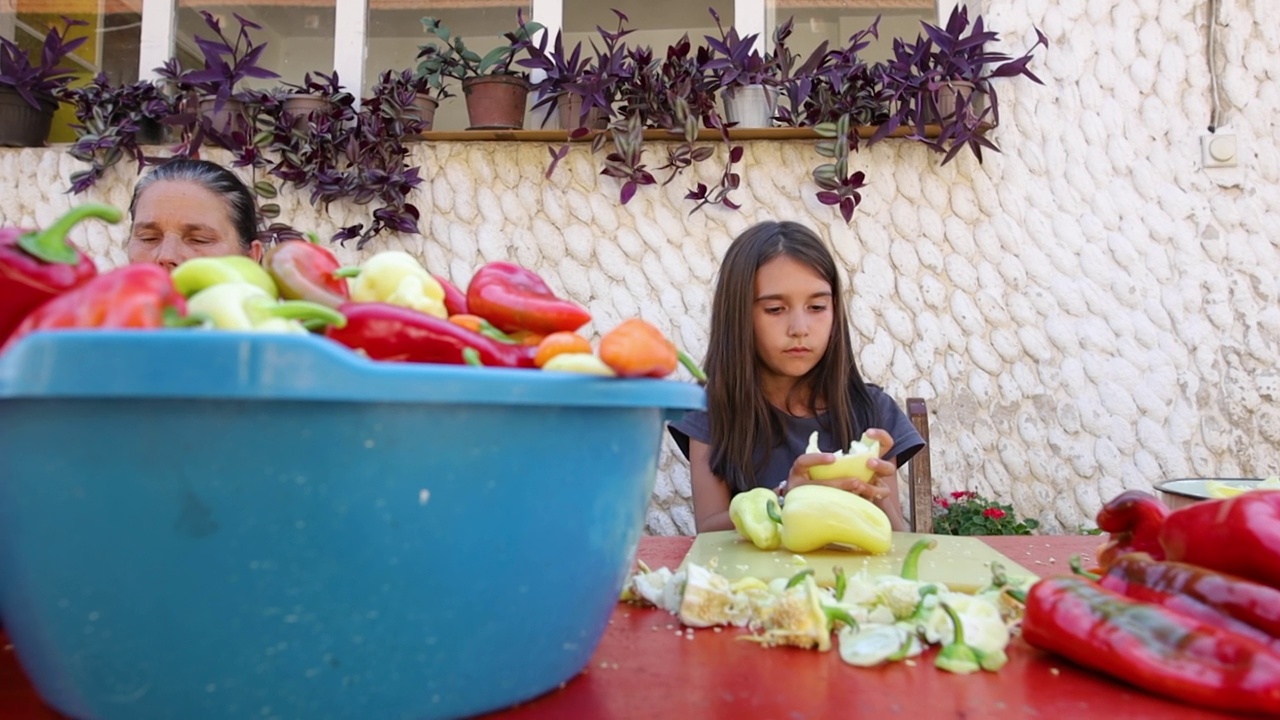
(945, 505)
(993, 513)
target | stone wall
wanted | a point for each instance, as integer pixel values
(1087, 311)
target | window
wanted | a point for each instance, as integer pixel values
(395, 34)
(298, 34)
(114, 32)
(836, 20)
(362, 38)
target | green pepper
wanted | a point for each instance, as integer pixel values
(199, 273)
(244, 306)
(755, 516)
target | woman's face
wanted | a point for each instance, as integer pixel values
(792, 317)
(176, 220)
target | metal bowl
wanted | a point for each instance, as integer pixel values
(1182, 492)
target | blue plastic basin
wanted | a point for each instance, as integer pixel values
(215, 525)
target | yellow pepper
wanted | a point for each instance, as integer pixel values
(397, 278)
(755, 516)
(851, 464)
(815, 516)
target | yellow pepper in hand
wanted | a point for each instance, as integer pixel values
(815, 516)
(755, 516)
(397, 278)
(851, 464)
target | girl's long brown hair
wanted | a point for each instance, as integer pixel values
(742, 420)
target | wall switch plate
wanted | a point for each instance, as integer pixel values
(1219, 150)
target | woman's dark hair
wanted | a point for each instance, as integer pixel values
(214, 178)
(742, 420)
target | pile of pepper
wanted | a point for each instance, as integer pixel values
(1186, 605)
(389, 308)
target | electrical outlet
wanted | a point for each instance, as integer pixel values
(1219, 150)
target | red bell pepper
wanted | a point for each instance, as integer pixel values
(513, 298)
(36, 266)
(303, 270)
(1239, 535)
(138, 296)
(1221, 600)
(1133, 518)
(391, 332)
(455, 301)
(1151, 647)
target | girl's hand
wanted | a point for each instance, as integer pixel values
(875, 490)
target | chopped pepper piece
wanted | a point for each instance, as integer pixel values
(244, 306)
(36, 266)
(307, 271)
(199, 273)
(513, 298)
(397, 278)
(815, 516)
(140, 296)
(755, 516)
(851, 464)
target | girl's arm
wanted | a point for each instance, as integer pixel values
(710, 493)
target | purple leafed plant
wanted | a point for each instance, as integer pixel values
(39, 81)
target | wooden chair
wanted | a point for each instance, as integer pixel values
(919, 477)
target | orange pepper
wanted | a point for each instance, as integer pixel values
(527, 337)
(470, 322)
(558, 343)
(637, 349)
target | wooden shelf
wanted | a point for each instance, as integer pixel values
(706, 134)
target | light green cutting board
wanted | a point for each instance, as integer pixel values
(962, 563)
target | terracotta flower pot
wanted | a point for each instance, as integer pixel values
(229, 118)
(569, 110)
(300, 106)
(424, 106)
(950, 95)
(20, 124)
(496, 102)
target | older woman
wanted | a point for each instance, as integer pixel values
(189, 208)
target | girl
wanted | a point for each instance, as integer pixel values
(780, 365)
(189, 208)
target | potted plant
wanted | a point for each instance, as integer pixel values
(749, 80)
(945, 77)
(345, 154)
(219, 97)
(29, 90)
(314, 94)
(114, 121)
(495, 94)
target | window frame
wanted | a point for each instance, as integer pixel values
(351, 25)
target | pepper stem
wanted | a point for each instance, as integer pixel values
(304, 310)
(50, 244)
(346, 272)
(692, 367)
(955, 620)
(471, 356)
(799, 577)
(911, 563)
(772, 509)
(1078, 569)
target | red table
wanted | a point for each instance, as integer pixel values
(645, 668)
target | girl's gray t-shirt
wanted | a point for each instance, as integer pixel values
(696, 424)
